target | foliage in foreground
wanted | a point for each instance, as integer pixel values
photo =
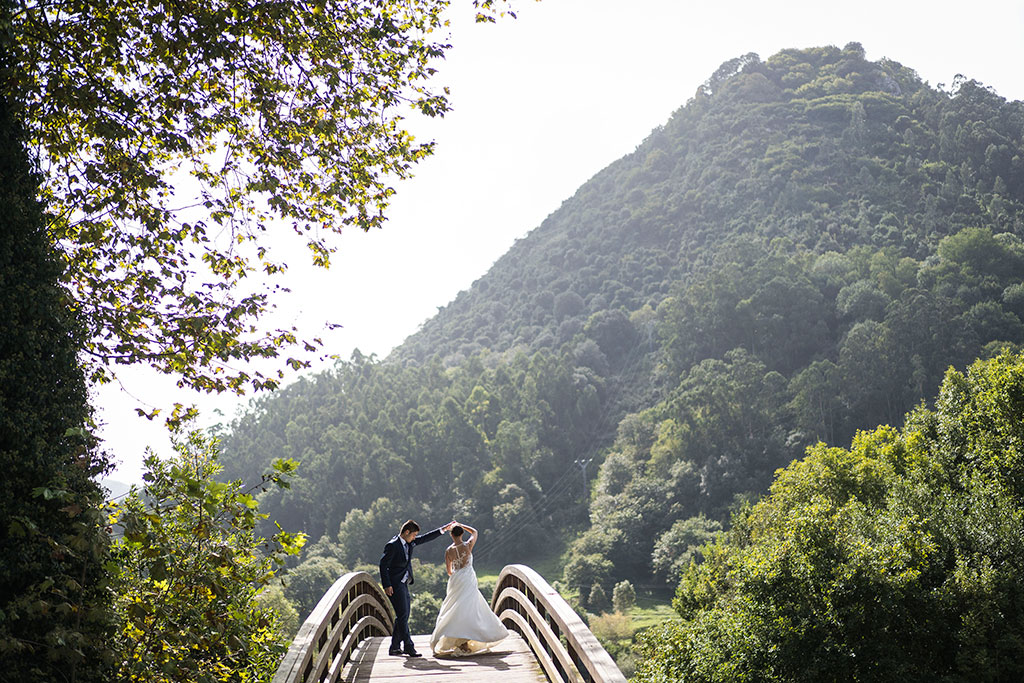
(54, 604)
(190, 571)
(901, 558)
(282, 116)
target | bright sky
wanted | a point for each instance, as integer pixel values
(543, 103)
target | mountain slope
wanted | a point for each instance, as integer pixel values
(820, 146)
(799, 253)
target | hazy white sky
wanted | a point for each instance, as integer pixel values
(541, 104)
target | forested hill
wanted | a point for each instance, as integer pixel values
(799, 252)
(817, 146)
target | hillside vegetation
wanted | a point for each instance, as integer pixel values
(800, 252)
(900, 559)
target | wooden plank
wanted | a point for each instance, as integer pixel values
(511, 662)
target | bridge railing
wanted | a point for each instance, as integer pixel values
(562, 643)
(353, 609)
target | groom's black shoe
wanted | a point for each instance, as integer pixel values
(413, 653)
(395, 652)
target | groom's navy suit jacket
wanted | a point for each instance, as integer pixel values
(394, 564)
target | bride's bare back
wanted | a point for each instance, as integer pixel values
(457, 556)
(459, 553)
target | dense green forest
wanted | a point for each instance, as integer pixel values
(799, 253)
(900, 559)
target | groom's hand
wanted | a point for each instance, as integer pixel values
(389, 591)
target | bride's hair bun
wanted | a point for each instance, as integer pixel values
(457, 531)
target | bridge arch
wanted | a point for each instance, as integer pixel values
(355, 608)
(564, 646)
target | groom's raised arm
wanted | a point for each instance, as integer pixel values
(430, 535)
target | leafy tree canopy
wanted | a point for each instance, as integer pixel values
(273, 115)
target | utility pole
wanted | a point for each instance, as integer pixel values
(582, 464)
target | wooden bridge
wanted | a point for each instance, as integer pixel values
(346, 638)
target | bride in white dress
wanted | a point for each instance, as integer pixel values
(465, 625)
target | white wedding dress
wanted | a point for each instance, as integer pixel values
(465, 625)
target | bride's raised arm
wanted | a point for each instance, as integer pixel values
(473, 535)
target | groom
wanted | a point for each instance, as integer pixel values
(396, 577)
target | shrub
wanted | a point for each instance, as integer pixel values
(623, 597)
(272, 596)
(612, 627)
(189, 569)
(423, 616)
(598, 600)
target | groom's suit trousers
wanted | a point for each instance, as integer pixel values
(401, 601)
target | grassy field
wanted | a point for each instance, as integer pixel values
(617, 631)
(649, 610)
(645, 617)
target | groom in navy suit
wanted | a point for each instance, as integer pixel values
(396, 577)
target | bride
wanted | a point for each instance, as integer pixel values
(465, 625)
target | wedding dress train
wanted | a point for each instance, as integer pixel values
(465, 624)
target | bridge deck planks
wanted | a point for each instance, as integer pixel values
(511, 662)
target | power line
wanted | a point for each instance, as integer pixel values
(562, 484)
